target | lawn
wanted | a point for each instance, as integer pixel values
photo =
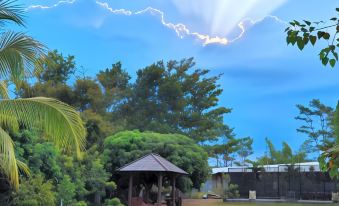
(220, 203)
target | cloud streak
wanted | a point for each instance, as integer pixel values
(180, 29)
(59, 3)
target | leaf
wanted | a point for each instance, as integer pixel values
(300, 43)
(61, 122)
(335, 54)
(304, 30)
(313, 39)
(337, 9)
(306, 39)
(320, 34)
(326, 35)
(307, 22)
(312, 28)
(325, 61)
(334, 19)
(332, 62)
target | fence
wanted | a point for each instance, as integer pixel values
(284, 181)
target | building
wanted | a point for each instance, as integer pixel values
(298, 181)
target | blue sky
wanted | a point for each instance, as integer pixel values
(243, 39)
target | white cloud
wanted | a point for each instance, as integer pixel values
(38, 6)
(181, 29)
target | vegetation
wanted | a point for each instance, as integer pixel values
(20, 55)
(307, 32)
(171, 109)
(283, 156)
(178, 149)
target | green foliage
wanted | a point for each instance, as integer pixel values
(72, 179)
(66, 190)
(58, 69)
(113, 202)
(224, 151)
(303, 33)
(81, 203)
(35, 191)
(283, 156)
(173, 99)
(317, 124)
(245, 150)
(127, 146)
(329, 159)
(232, 191)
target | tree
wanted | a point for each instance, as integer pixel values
(283, 156)
(178, 149)
(303, 33)
(224, 152)
(117, 88)
(329, 159)
(35, 191)
(173, 99)
(88, 95)
(66, 190)
(317, 124)
(245, 150)
(58, 68)
(21, 55)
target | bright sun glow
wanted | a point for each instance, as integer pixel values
(223, 16)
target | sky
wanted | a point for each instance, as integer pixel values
(263, 78)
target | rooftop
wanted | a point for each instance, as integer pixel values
(304, 167)
(151, 163)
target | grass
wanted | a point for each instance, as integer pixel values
(220, 203)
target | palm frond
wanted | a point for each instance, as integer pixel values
(23, 167)
(3, 90)
(9, 122)
(20, 55)
(8, 163)
(60, 121)
(9, 11)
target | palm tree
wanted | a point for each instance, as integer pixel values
(21, 56)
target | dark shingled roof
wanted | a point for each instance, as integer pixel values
(151, 163)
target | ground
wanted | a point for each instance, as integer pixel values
(200, 202)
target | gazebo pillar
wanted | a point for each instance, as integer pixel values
(159, 189)
(173, 190)
(130, 190)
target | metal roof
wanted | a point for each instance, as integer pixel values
(151, 163)
(304, 167)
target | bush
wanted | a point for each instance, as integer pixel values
(35, 191)
(81, 203)
(232, 191)
(113, 202)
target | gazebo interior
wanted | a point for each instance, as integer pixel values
(152, 181)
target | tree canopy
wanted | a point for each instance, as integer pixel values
(178, 149)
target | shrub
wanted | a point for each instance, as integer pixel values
(232, 191)
(113, 202)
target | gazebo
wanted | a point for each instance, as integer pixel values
(152, 164)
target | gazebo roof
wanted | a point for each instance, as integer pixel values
(151, 163)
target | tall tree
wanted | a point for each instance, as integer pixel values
(245, 150)
(115, 82)
(317, 125)
(58, 69)
(173, 99)
(21, 55)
